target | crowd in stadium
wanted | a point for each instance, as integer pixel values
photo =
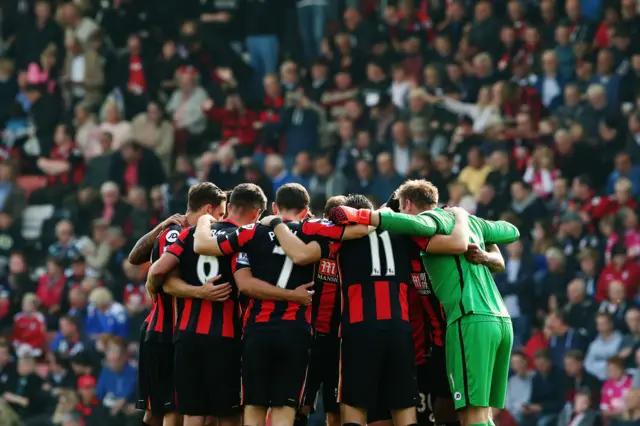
(524, 111)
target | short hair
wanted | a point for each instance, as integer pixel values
(337, 201)
(72, 320)
(542, 354)
(575, 355)
(606, 315)
(100, 296)
(617, 361)
(292, 196)
(358, 201)
(204, 193)
(422, 193)
(248, 196)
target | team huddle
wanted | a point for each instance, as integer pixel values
(392, 314)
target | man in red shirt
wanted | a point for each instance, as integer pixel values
(622, 269)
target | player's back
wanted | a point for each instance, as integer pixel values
(199, 317)
(375, 273)
(325, 315)
(159, 324)
(463, 287)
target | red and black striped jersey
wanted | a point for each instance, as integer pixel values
(199, 318)
(422, 283)
(268, 262)
(375, 276)
(419, 330)
(325, 307)
(161, 319)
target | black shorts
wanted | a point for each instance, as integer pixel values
(425, 414)
(324, 369)
(156, 390)
(436, 374)
(208, 377)
(378, 368)
(274, 366)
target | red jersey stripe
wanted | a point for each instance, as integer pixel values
(266, 307)
(356, 310)
(204, 317)
(383, 300)
(290, 313)
(228, 329)
(160, 320)
(326, 308)
(186, 313)
(404, 302)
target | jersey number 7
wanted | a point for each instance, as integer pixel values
(285, 273)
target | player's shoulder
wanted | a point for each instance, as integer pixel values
(224, 227)
(171, 233)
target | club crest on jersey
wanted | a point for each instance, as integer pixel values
(172, 236)
(419, 281)
(328, 270)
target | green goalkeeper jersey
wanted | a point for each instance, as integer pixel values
(461, 286)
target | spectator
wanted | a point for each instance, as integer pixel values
(23, 393)
(604, 346)
(155, 133)
(546, 392)
(135, 78)
(186, 106)
(29, 328)
(90, 407)
(60, 375)
(616, 305)
(526, 204)
(631, 341)
(76, 25)
(631, 413)
(83, 73)
(113, 124)
(563, 338)
(617, 384)
(476, 172)
(588, 272)
(326, 182)
(553, 291)
(50, 288)
(579, 379)
(97, 170)
(8, 372)
(275, 168)
(135, 166)
(581, 309)
(620, 269)
(69, 341)
(624, 168)
(105, 316)
(387, 179)
(116, 385)
(579, 413)
(226, 171)
(88, 133)
(519, 386)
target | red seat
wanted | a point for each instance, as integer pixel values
(30, 183)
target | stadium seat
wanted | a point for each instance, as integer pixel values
(32, 220)
(30, 183)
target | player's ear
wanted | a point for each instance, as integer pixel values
(274, 207)
(304, 213)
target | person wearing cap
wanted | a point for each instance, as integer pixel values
(620, 268)
(90, 409)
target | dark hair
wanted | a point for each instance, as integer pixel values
(73, 320)
(205, 193)
(338, 200)
(575, 354)
(420, 192)
(617, 361)
(61, 359)
(358, 201)
(606, 315)
(248, 196)
(292, 196)
(542, 354)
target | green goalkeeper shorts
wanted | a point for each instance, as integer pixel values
(478, 351)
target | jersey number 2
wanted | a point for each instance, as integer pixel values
(214, 267)
(283, 278)
(376, 268)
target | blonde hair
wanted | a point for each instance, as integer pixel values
(555, 253)
(623, 184)
(100, 297)
(31, 298)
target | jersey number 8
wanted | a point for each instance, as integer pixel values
(204, 263)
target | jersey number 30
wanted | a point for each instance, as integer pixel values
(376, 265)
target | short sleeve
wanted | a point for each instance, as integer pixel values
(177, 247)
(239, 261)
(323, 228)
(234, 242)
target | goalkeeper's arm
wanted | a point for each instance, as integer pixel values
(414, 225)
(499, 232)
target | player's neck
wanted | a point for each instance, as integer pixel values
(239, 219)
(289, 215)
(192, 218)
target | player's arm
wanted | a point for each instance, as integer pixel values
(161, 268)
(262, 290)
(208, 291)
(455, 243)
(417, 226)
(203, 242)
(141, 251)
(298, 251)
(491, 257)
(498, 232)
(353, 232)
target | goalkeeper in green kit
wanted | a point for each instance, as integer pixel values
(479, 333)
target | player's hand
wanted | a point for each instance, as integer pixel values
(457, 211)
(215, 292)
(476, 255)
(150, 290)
(343, 215)
(176, 219)
(206, 219)
(303, 294)
(266, 221)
